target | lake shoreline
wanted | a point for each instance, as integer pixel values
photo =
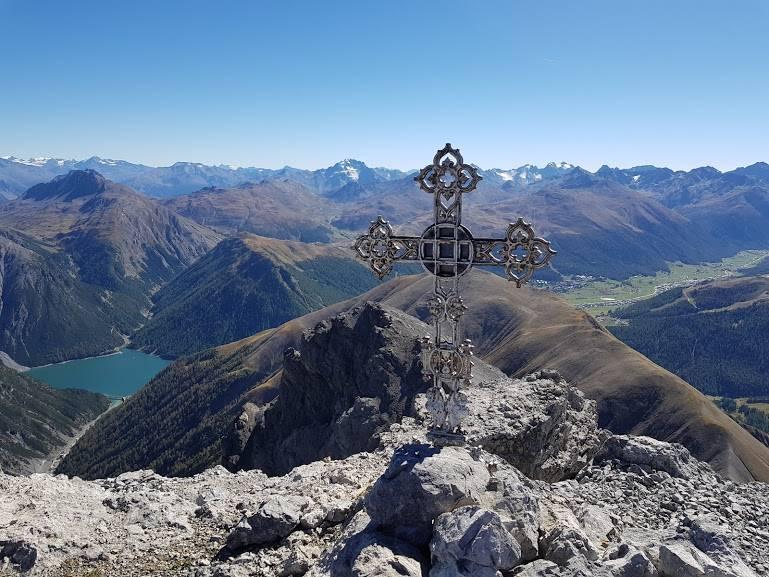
(118, 351)
(99, 356)
(115, 375)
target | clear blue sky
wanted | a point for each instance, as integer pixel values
(680, 83)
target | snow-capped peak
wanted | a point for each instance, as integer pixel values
(349, 166)
(560, 165)
(37, 161)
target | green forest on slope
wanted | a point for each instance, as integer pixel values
(173, 425)
(235, 292)
(35, 418)
(716, 338)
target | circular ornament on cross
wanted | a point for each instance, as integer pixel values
(446, 250)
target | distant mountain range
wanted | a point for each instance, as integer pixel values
(17, 175)
(80, 257)
(694, 215)
(88, 258)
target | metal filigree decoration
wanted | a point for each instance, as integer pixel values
(521, 252)
(446, 307)
(381, 248)
(447, 250)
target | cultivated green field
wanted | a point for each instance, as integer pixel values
(601, 296)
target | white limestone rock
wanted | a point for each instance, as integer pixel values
(275, 519)
(471, 541)
(624, 560)
(672, 458)
(540, 424)
(420, 484)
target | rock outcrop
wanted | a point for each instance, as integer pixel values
(354, 375)
(541, 425)
(350, 378)
(402, 509)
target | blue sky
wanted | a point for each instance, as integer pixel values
(680, 83)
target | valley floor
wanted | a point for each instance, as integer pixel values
(599, 296)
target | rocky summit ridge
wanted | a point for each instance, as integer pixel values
(539, 490)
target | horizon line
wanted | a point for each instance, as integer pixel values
(41, 158)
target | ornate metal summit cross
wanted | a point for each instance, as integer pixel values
(447, 250)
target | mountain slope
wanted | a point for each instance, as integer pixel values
(82, 257)
(246, 285)
(281, 209)
(600, 227)
(47, 314)
(177, 423)
(736, 215)
(713, 334)
(93, 218)
(35, 419)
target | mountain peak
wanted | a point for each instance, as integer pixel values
(351, 167)
(344, 172)
(758, 170)
(67, 187)
(705, 172)
(38, 161)
(98, 161)
(560, 165)
(581, 176)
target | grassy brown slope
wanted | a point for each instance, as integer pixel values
(280, 209)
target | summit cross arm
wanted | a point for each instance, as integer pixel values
(447, 250)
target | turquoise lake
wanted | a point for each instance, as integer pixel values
(116, 376)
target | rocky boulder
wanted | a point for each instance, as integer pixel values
(683, 559)
(20, 554)
(421, 483)
(372, 554)
(539, 424)
(472, 542)
(672, 458)
(275, 519)
(624, 560)
(350, 377)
